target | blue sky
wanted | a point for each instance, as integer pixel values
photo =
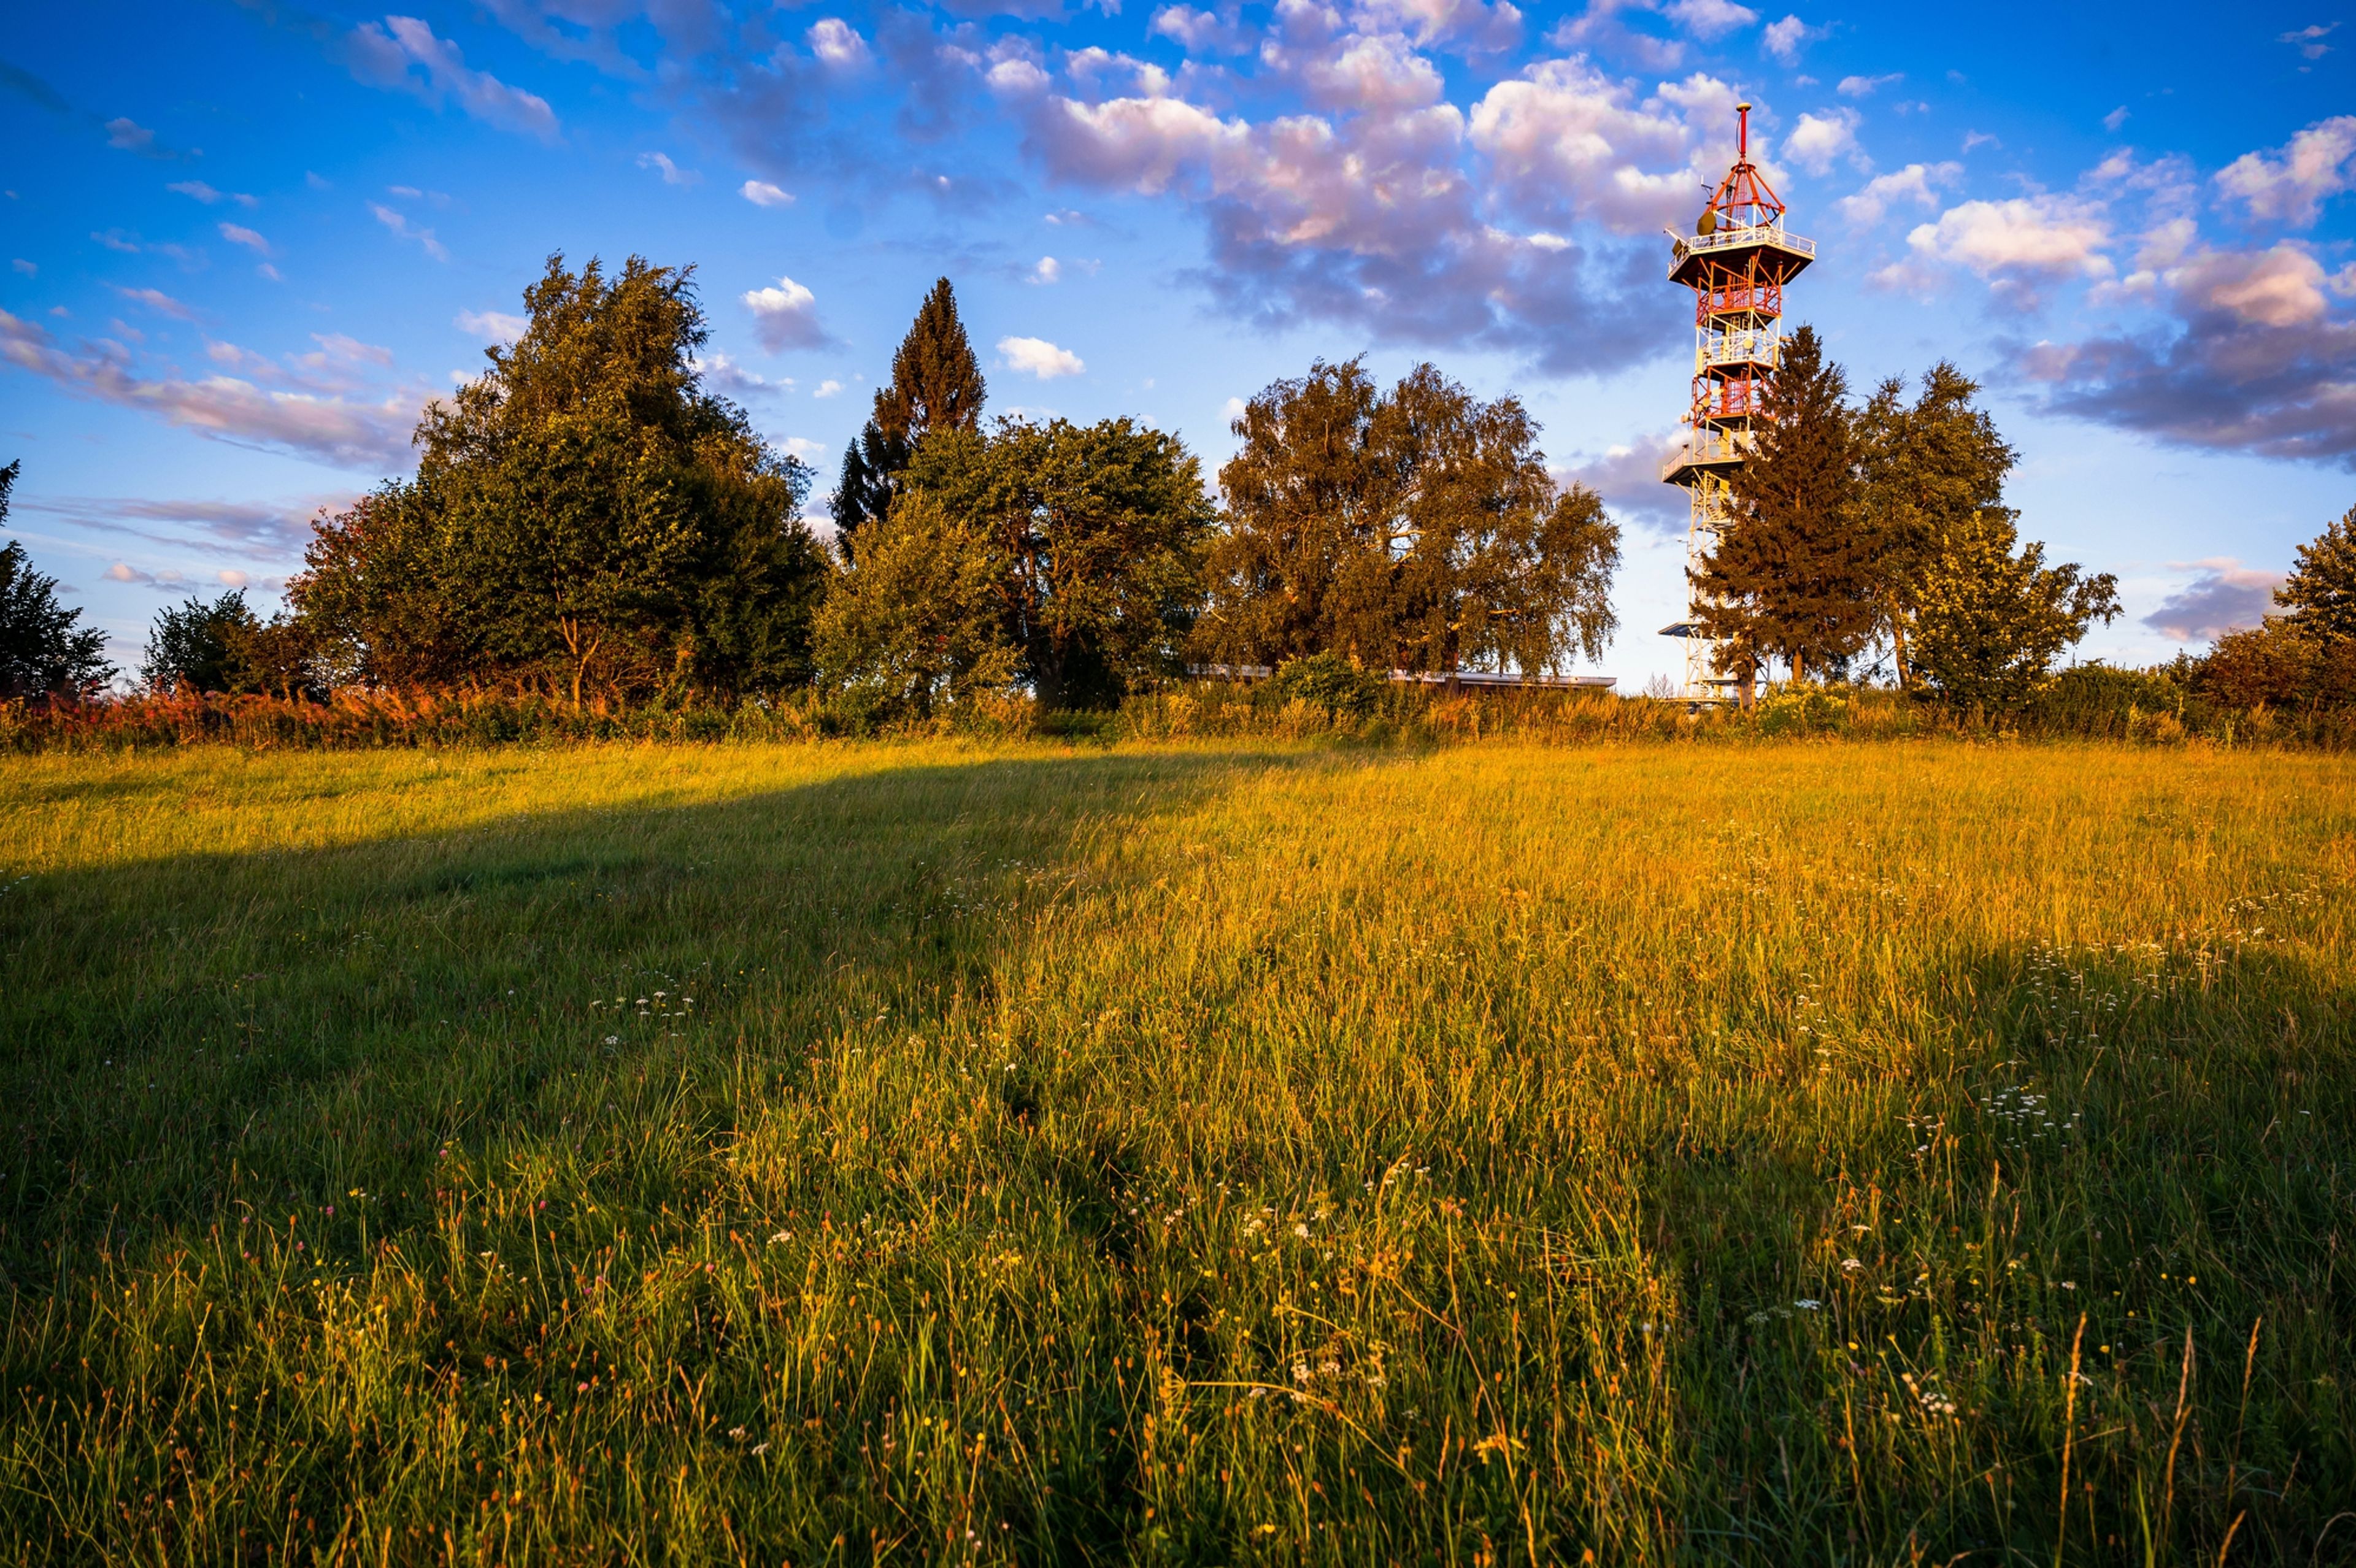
(242, 243)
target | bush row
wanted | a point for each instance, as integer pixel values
(1312, 698)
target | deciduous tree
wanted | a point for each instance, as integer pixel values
(919, 623)
(43, 652)
(2320, 594)
(584, 510)
(1989, 624)
(1088, 540)
(199, 647)
(1417, 528)
(1930, 469)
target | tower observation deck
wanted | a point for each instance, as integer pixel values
(1736, 261)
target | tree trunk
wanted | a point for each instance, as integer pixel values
(580, 656)
(1897, 649)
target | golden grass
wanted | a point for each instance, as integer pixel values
(1196, 1152)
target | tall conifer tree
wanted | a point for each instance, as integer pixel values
(936, 385)
(1793, 573)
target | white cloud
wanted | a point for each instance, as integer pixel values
(1037, 356)
(1867, 86)
(837, 43)
(2292, 186)
(1232, 409)
(1017, 77)
(1374, 74)
(167, 579)
(761, 193)
(29, 269)
(1466, 24)
(251, 530)
(1567, 140)
(1707, 19)
(402, 52)
(671, 173)
(1200, 32)
(2115, 119)
(827, 388)
(1048, 270)
(2309, 40)
(2281, 286)
(731, 379)
(1371, 210)
(1786, 38)
(491, 326)
(1818, 139)
(364, 435)
(198, 190)
(1915, 183)
(786, 316)
(1139, 142)
(401, 226)
(802, 449)
(336, 345)
(157, 301)
(2031, 235)
(237, 234)
(127, 135)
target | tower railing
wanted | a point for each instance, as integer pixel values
(1707, 448)
(1740, 236)
(1752, 346)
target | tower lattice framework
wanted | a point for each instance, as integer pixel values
(1736, 261)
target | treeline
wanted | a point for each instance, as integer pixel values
(589, 522)
(590, 528)
(1876, 538)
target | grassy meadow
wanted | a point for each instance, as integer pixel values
(1201, 1152)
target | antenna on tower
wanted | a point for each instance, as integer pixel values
(1742, 131)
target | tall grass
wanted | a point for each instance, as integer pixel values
(1205, 1152)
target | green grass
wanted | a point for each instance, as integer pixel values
(1232, 1152)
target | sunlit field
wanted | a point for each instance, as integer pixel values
(1271, 1152)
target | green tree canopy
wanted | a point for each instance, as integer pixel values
(1066, 558)
(1932, 468)
(1791, 575)
(584, 511)
(1416, 528)
(2320, 594)
(199, 646)
(936, 384)
(2305, 656)
(43, 652)
(1989, 623)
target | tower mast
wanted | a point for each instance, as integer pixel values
(1736, 261)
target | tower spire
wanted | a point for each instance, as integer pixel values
(1736, 261)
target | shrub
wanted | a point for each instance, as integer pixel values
(1342, 688)
(2103, 699)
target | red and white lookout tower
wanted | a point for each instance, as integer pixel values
(1736, 261)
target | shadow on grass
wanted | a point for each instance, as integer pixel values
(2108, 1215)
(322, 1019)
